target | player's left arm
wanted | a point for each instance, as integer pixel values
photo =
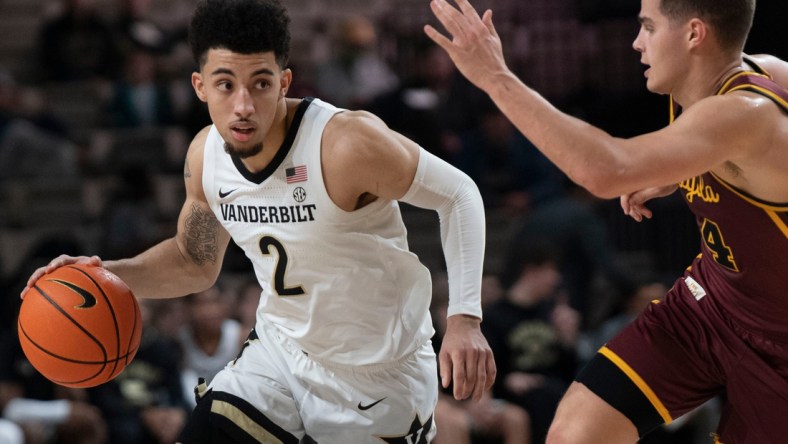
(379, 162)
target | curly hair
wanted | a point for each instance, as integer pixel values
(242, 26)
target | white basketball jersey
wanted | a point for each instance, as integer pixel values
(342, 285)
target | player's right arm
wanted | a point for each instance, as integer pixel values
(186, 263)
(712, 132)
(191, 260)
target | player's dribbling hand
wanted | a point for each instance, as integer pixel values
(466, 358)
(58, 262)
(474, 47)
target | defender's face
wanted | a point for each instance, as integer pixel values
(660, 44)
(243, 93)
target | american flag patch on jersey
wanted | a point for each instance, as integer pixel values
(296, 174)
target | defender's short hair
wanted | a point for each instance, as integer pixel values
(731, 20)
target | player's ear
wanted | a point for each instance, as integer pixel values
(199, 86)
(698, 32)
(284, 81)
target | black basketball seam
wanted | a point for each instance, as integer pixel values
(112, 312)
(64, 358)
(73, 321)
(71, 360)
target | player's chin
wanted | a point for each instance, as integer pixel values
(655, 87)
(244, 150)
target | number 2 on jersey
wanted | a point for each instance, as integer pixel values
(281, 267)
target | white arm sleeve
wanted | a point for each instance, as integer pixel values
(441, 187)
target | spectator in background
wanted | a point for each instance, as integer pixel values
(11, 433)
(246, 306)
(510, 172)
(137, 30)
(131, 217)
(140, 98)
(145, 404)
(584, 249)
(356, 72)
(19, 100)
(77, 44)
(33, 143)
(648, 290)
(167, 318)
(431, 106)
(210, 338)
(533, 334)
(46, 412)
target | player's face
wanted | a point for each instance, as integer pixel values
(659, 43)
(245, 94)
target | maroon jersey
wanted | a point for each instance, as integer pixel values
(743, 264)
(721, 329)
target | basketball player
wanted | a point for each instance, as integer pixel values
(341, 351)
(722, 329)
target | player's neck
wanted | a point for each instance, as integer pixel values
(705, 79)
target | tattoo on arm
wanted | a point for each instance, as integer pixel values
(201, 234)
(187, 173)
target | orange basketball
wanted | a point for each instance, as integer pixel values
(79, 325)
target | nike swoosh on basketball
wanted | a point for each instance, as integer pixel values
(88, 300)
(223, 194)
(369, 406)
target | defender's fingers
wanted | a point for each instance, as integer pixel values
(450, 18)
(487, 20)
(625, 204)
(437, 37)
(467, 9)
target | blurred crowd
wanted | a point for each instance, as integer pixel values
(97, 114)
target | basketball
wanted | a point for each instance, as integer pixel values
(79, 325)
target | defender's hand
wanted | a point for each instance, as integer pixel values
(474, 47)
(634, 206)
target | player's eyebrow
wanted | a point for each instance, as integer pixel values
(643, 20)
(218, 71)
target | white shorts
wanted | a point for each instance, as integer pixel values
(328, 403)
